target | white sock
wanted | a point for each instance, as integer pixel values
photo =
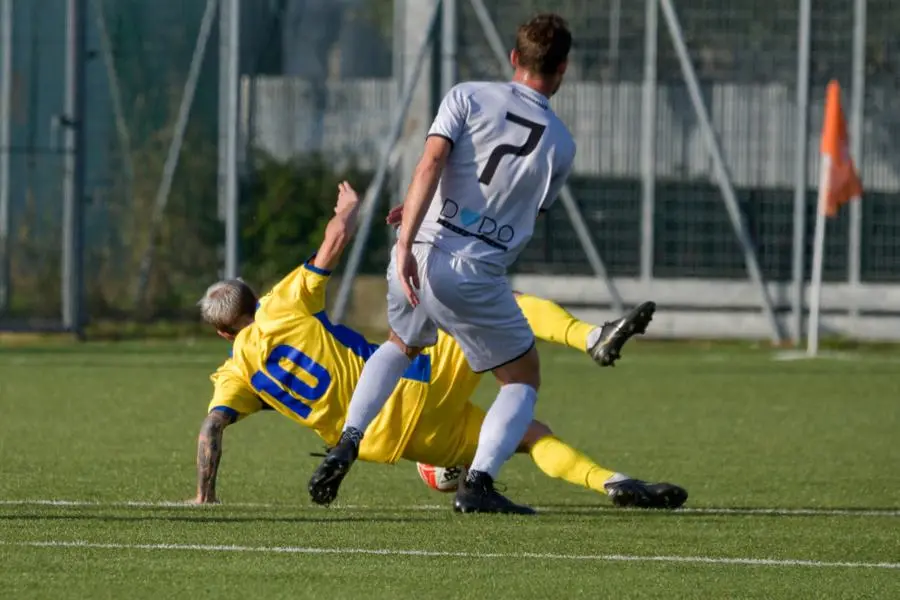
(593, 337)
(615, 478)
(504, 427)
(379, 377)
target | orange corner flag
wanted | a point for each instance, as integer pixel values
(841, 182)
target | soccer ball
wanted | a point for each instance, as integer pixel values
(442, 479)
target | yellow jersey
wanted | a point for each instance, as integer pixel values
(306, 368)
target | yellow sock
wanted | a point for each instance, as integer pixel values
(552, 323)
(558, 459)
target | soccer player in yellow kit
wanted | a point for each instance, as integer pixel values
(288, 355)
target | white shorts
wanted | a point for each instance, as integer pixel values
(462, 297)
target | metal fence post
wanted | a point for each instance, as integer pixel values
(801, 166)
(398, 68)
(73, 172)
(648, 139)
(858, 95)
(449, 40)
(412, 29)
(6, 50)
(230, 32)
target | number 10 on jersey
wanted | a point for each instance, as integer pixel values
(282, 385)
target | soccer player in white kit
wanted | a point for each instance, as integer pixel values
(496, 155)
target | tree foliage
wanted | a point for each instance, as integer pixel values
(285, 208)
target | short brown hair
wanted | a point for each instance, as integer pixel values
(543, 43)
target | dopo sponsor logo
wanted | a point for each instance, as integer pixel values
(485, 228)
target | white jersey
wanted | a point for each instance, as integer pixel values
(511, 155)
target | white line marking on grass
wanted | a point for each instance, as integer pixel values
(777, 512)
(129, 504)
(112, 360)
(707, 560)
(792, 512)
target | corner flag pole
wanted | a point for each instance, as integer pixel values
(815, 285)
(838, 184)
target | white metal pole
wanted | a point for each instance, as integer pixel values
(648, 139)
(448, 45)
(801, 165)
(815, 287)
(398, 45)
(398, 69)
(73, 171)
(6, 50)
(232, 198)
(858, 94)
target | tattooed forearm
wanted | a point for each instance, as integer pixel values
(209, 453)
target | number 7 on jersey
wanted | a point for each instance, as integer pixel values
(535, 132)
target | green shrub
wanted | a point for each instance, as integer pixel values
(284, 210)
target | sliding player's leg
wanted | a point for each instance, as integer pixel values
(558, 459)
(448, 430)
(552, 323)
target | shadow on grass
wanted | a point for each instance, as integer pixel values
(209, 518)
(718, 512)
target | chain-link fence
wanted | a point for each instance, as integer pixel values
(745, 54)
(746, 58)
(320, 82)
(600, 102)
(135, 63)
(32, 102)
(317, 90)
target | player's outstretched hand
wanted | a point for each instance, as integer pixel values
(347, 200)
(408, 271)
(395, 215)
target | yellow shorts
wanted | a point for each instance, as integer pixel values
(446, 443)
(446, 433)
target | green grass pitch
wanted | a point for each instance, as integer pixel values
(105, 425)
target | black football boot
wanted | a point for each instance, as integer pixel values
(326, 480)
(476, 494)
(634, 493)
(613, 335)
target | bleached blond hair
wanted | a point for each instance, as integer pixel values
(225, 302)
